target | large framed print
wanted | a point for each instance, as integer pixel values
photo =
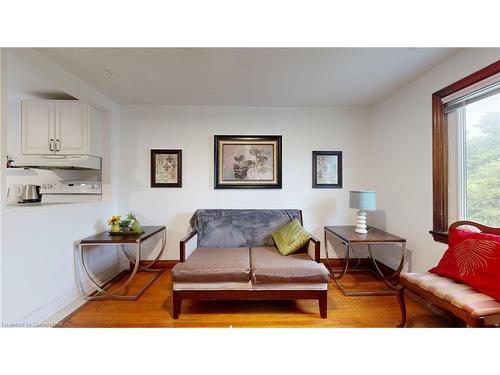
(166, 168)
(327, 169)
(247, 162)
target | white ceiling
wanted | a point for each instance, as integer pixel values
(248, 76)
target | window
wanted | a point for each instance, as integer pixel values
(474, 161)
(466, 151)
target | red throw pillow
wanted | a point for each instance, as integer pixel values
(472, 258)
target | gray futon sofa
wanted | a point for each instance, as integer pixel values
(230, 255)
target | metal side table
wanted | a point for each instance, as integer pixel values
(106, 239)
(350, 238)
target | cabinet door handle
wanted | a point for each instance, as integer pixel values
(58, 145)
(51, 144)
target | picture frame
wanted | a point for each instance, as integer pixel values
(166, 168)
(247, 162)
(327, 169)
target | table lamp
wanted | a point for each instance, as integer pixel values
(363, 200)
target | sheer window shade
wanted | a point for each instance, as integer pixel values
(475, 92)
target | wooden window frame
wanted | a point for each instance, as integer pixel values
(440, 150)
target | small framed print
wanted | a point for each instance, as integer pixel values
(166, 168)
(327, 169)
(247, 162)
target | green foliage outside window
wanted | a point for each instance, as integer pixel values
(483, 172)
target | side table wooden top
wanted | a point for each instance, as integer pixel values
(106, 238)
(347, 234)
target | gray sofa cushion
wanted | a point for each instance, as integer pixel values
(214, 265)
(239, 228)
(270, 267)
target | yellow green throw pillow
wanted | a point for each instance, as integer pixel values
(290, 238)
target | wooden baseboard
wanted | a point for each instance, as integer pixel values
(163, 264)
(340, 262)
(359, 262)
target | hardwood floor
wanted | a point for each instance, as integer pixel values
(154, 309)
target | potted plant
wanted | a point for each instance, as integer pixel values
(124, 225)
(136, 226)
(114, 223)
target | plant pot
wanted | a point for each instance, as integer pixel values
(136, 227)
(115, 228)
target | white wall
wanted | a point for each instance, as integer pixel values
(3, 154)
(192, 128)
(401, 156)
(39, 273)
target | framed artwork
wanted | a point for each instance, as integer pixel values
(166, 168)
(247, 162)
(327, 169)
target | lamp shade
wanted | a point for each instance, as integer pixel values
(362, 199)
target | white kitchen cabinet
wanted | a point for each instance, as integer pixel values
(38, 132)
(71, 128)
(64, 127)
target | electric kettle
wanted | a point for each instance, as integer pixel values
(14, 193)
(30, 193)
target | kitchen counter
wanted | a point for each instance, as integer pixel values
(49, 208)
(34, 204)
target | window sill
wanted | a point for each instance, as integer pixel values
(439, 236)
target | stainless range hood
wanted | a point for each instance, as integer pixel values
(57, 161)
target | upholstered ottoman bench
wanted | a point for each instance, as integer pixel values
(466, 281)
(476, 309)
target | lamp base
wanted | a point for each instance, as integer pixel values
(361, 223)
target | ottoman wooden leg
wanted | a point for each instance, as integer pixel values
(402, 305)
(323, 305)
(176, 305)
